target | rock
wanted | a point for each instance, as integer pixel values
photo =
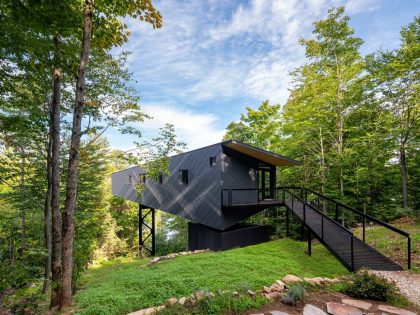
(278, 313)
(266, 289)
(171, 301)
(340, 309)
(182, 300)
(357, 303)
(257, 314)
(291, 279)
(155, 260)
(274, 296)
(309, 309)
(251, 293)
(394, 310)
(281, 284)
(149, 311)
(235, 293)
(200, 295)
(313, 281)
(276, 288)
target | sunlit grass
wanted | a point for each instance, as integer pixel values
(126, 285)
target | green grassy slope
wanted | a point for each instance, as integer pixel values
(124, 285)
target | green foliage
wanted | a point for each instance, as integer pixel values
(295, 293)
(172, 234)
(372, 287)
(125, 285)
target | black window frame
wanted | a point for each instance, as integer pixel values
(183, 177)
(142, 178)
(213, 160)
(160, 178)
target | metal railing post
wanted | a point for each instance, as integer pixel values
(230, 197)
(322, 227)
(352, 252)
(409, 252)
(364, 228)
(336, 212)
(287, 222)
(309, 242)
(284, 195)
(304, 212)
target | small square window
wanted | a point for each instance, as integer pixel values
(183, 177)
(212, 161)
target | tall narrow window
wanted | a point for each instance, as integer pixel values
(129, 179)
(183, 177)
(160, 178)
(212, 161)
(142, 179)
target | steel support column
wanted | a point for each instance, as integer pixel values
(146, 231)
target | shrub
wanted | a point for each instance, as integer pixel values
(295, 293)
(371, 287)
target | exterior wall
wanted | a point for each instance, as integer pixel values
(198, 201)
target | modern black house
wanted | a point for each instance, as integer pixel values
(202, 187)
(219, 186)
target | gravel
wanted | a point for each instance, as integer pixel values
(407, 282)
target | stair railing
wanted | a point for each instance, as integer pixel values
(340, 207)
(324, 217)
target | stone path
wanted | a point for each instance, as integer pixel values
(407, 282)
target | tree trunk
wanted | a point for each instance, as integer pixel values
(22, 200)
(55, 191)
(71, 188)
(403, 168)
(47, 215)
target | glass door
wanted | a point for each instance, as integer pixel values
(264, 183)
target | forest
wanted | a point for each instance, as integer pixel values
(351, 119)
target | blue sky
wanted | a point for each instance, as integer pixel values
(213, 58)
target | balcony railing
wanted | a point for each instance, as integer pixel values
(252, 197)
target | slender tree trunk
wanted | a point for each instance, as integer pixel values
(12, 249)
(403, 168)
(47, 216)
(22, 196)
(55, 191)
(71, 188)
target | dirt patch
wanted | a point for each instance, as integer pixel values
(319, 299)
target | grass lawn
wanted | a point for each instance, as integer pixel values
(394, 245)
(125, 285)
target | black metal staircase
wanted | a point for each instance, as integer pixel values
(328, 220)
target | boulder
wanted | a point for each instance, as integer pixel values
(266, 289)
(341, 309)
(272, 296)
(313, 281)
(357, 303)
(171, 301)
(276, 288)
(251, 293)
(155, 260)
(394, 310)
(278, 313)
(182, 300)
(291, 279)
(310, 309)
(281, 284)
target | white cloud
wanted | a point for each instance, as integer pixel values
(196, 129)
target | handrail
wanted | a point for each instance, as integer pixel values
(324, 215)
(364, 216)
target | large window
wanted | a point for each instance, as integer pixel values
(183, 177)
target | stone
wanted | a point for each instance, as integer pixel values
(235, 293)
(310, 309)
(251, 293)
(171, 301)
(155, 260)
(313, 281)
(182, 300)
(281, 284)
(395, 310)
(340, 309)
(266, 289)
(357, 303)
(278, 313)
(257, 314)
(149, 311)
(291, 279)
(274, 296)
(276, 288)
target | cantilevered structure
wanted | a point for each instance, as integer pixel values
(217, 187)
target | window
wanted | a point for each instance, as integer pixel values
(183, 177)
(160, 178)
(130, 179)
(212, 161)
(142, 178)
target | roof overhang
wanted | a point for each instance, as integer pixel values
(260, 154)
